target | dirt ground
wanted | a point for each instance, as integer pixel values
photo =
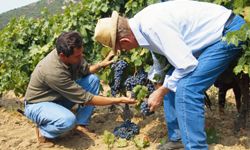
(18, 133)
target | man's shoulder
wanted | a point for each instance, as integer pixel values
(49, 65)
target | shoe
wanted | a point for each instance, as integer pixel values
(43, 141)
(171, 145)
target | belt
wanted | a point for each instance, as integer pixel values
(229, 20)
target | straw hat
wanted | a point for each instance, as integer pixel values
(105, 30)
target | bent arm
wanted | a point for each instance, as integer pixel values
(95, 68)
(107, 61)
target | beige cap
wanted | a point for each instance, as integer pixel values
(106, 29)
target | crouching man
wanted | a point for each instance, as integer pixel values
(60, 80)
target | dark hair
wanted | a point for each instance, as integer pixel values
(67, 41)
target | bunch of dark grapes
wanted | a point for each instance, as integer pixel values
(145, 109)
(139, 79)
(118, 69)
(126, 130)
(151, 87)
(130, 83)
(141, 76)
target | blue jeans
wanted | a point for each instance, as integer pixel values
(55, 118)
(184, 109)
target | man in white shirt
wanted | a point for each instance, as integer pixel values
(190, 38)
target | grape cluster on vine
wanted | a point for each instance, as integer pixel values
(151, 87)
(145, 109)
(118, 68)
(126, 130)
(139, 79)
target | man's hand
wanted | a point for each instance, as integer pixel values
(157, 85)
(156, 98)
(108, 60)
(127, 100)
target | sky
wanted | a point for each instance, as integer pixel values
(6, 5)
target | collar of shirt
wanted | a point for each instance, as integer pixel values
(59, 61)
(135, 27)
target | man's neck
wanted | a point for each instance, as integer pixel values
(64, 61)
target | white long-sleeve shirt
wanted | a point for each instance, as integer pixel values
(179, 30)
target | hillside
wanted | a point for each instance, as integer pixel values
(33, 10)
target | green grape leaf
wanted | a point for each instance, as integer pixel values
(143, 51)
(157, 78)
(247, 14)
(134, 56)
(105, 75)
(141, 143)
(138, 62)
(245, 69)
(141, 93)
(136, 89)
(147, 68)
(122, 143)
(238, 69)
(108, 138)
(108, 93)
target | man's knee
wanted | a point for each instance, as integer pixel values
(94, 79)
(66, 123)
(91, 79)
(90, 83)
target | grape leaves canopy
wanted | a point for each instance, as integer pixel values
(25, 41)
